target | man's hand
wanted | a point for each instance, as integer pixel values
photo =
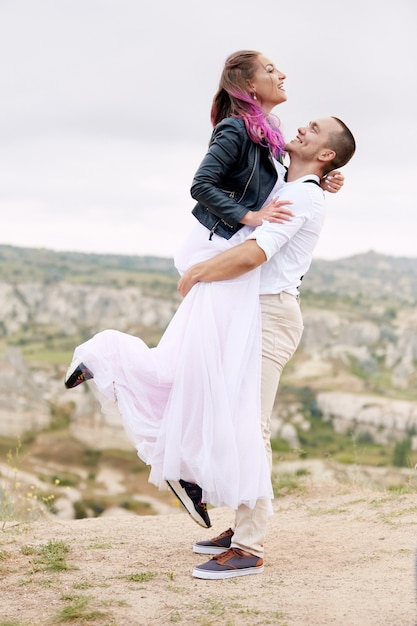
(333, 182)
(229, 264)
(186, 282)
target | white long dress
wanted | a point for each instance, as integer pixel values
(191, 405)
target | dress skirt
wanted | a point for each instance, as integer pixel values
(191, 405)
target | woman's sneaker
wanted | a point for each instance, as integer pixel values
(77, 373)
(217, 545)
(190, 494)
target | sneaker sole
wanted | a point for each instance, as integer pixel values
(208, 550)
(188, 505)
(210, 575)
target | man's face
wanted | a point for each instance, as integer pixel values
(311, 140)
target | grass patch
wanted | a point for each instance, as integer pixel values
(327, 511)
(100, 546)
(52, 556)
(143, 577)
(20, 502)
(77, 610)
(403, 488)
(82, 585)
(214, 607)
(284, 483)
(4, 555)
(394, 517)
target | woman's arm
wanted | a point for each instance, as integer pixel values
(222, 158)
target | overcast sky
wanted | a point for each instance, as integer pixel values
(104, 114)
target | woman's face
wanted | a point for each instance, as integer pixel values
(268, 84)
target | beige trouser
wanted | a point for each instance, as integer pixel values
(282, 327)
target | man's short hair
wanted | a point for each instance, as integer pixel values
(343, 143)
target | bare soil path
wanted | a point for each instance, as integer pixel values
(335, 555)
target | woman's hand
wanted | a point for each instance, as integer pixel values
(274, 211)
(333, 182)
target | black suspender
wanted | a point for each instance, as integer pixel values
(310, 180)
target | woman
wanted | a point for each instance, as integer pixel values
(190, 406)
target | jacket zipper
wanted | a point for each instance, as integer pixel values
(250, 177)
(213, 229)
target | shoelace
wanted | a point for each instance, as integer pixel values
(226, 533)
(229, 554)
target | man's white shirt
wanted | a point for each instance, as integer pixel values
(289, 247)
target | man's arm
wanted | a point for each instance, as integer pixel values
(230, 264)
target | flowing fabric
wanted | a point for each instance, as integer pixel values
(191, 405)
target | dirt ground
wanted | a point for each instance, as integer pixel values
(335, 555)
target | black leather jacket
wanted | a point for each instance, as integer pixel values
(236, 176)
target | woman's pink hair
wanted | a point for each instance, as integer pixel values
(233, 100)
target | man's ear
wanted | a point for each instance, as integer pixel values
(326, 155)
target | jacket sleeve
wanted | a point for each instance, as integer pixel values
(223, 155)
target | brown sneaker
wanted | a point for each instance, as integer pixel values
(233, 562)
(217, 545)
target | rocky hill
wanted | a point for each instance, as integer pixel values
(357, 357)
(354, 374)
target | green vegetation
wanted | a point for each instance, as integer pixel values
(48, 557)
(52, 556)
(22, 265)
(321, 441)
(42, 347)
(142, 577)
(19, 501)
(77, 610)
(402, 456)
(285, 483)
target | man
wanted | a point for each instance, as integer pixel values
(285, 253)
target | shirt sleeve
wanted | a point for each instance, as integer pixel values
(271, 237)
